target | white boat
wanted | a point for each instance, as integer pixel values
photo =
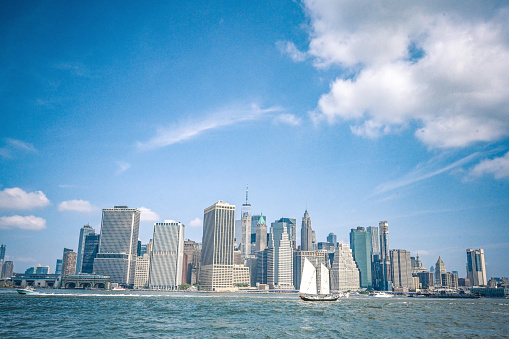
(308, 284)
(27, 290)
(381, 295)
(118, 288)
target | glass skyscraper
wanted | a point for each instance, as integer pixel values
(90, 249)
(84, 231)
(360, 243)
(118, 244)
(476, 268)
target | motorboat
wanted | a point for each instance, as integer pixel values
(27, 290)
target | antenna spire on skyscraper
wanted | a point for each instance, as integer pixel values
(247, 188)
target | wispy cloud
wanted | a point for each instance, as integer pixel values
(14, 146)
(179, 132)
(77, 206)
(288, 119)
(67, 186)
(17, 199)
(289, 48)
(28, 223)
(422, 172)
(122, 167)
(498, 167)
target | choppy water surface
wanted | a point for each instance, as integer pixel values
(60, 313)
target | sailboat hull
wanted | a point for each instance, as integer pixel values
(319, 297)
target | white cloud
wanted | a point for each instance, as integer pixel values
(288, 119)
(148, 215)
(16, 198)
(422, 172)
(289, 48)
(29, 223)
(67, 186)
(77, 206)
(13, 146)
(196, 222)
(442, 66)
(122, 167)
(180, 132)
(498, 167)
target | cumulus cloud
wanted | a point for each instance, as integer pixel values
(29, 223)
(148, 215)
(288, 119)
(196, 222)
(17, 199)
(498, 167)
(13, 146)
(289, 48)
(439, 65)
(77, 206)
(179, 132)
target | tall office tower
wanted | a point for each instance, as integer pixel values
(306, 233)
(417, 265)
(375, 241)
(252, 264)
(439, 270)
(291, 227)
(141, 272)
(261, 234)
(360, 243)
(90, 249)
(2, 252)
(192, 250)
(401, 270)
(68, 263)
(118, 244)
(315, 257)
(216, 272)
(84, 231)
(7, 269)
(476, 268)
(386, 284)
(332, 239)
(279, 258)
(245, 241)
(261, 266)
(58, 267)
(167, 255)
(344, 273)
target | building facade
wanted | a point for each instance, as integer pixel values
(316, 258)
(84, 231)
(118, 245)
(261, 234)
(401, 270)
(476, 267)
(385, 266)
(68, 263)
(306, 233)
(142, 271)
(439, 270)
(216, 272)
(166, 262)
(360, 243)
(90, 249)
(344, 273)
(279, 258)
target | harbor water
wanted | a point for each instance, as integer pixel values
(85, 314)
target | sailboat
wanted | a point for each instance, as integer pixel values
(308, 283)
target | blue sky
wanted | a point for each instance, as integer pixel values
(359, 112)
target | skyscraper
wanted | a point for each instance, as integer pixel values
(306, 233)
(261, 234)
(439, 270)
(245, 241)
(58, 267)
(332, 239)
(291, 227)
(166, 262)
(360, 243)
(118, 244)
(142, 270)
(84, 231)
(2, 252)
(279, 258)
(401, 270)
(386, 284)
(344, 273)
(7, 269)
(216, 271)
(476, 268)
(375, 241)
(90, 249)
(68, 262)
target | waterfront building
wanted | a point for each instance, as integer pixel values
(306, 233)
(192, 251)
(261, 234)
(401, 270)
(68, 263)
(166, 261)
(241, 277)
(332, 239)
(375, 240)
(279, 258)
(261, 266)
(90, 249)
(58, 267)
(245, 240)
(7, 269)
(449, 280)
(142, 271)
(35, 280)
(385, 269)
(476, 267)
(216, 272)
(86, 281)
(344, 273)
(84, 231)
(425, 279)
(251, 262)
(439, 270)
(316, 258)
(464, 282)
(360, 243)
(118, 245)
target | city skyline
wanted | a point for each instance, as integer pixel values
(170, 107)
